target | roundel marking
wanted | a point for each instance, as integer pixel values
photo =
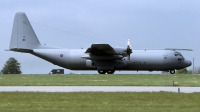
(61, 55)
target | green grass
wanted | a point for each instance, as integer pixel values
(99, 102)
(100, 80)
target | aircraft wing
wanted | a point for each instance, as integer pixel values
(101, 49)
(178, 49)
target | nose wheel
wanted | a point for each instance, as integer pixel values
(172, 71)
(108, 72)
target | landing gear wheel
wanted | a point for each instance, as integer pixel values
(101, 72)
(172, 71)
(110, 72)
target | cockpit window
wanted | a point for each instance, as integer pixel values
(177, 54)
(180, 59)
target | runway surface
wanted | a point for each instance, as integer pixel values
(97, 89)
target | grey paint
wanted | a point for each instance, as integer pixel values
(101, 57)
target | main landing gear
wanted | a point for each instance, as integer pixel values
(172, 71)
(108, 72)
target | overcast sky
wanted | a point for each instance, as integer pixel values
(153, 24)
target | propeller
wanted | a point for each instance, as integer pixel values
(129, 49)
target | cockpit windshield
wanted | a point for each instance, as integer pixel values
(178, 54)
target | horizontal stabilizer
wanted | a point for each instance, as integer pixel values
(7, 50)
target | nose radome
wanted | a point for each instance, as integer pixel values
(188, 62)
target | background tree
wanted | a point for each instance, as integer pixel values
(182, 71)
(12, 66)
(196, 70)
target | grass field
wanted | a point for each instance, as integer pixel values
(100, 80)
(99, 102)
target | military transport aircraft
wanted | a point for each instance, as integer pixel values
(101, 57)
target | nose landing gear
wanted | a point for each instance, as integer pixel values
(172, 71)
(108, 72)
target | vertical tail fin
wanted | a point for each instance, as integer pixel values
(23, 36)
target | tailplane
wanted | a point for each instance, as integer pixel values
(23, 36)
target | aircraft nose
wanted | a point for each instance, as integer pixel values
(188, 63)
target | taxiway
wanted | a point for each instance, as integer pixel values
(98, 89)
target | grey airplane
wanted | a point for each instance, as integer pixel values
(101, 57)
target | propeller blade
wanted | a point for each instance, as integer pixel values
(129, 44)
(129, 49)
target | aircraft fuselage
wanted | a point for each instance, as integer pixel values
(152, 60)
